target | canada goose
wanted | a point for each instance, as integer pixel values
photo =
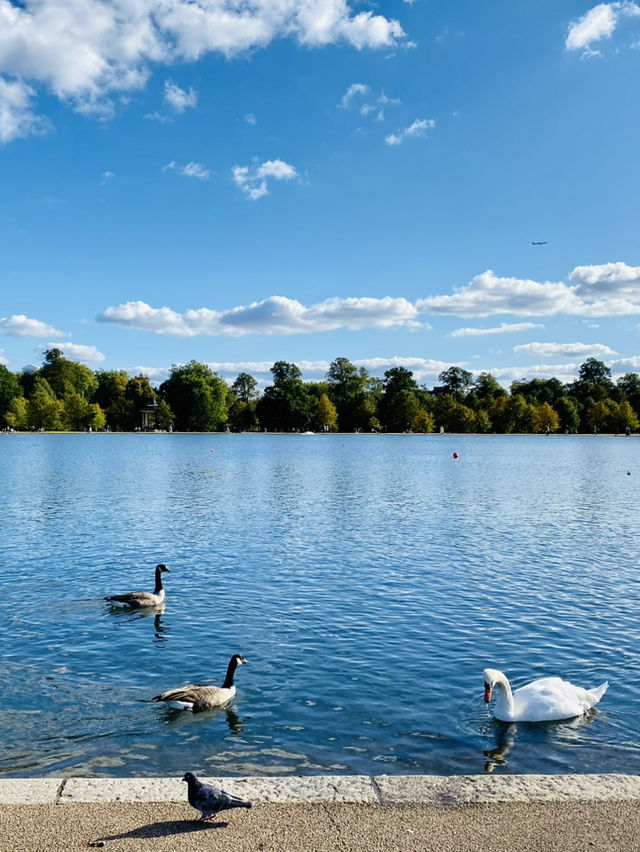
(139, 600)
(199, 697)
(546, 700)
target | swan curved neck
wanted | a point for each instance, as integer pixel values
(505, 694)
(231, 670)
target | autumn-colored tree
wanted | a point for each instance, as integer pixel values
(546, 418)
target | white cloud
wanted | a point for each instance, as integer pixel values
(80, 352)
(565, 350)
(85, 51)
(107, 176)
(418, 128)
(610, 289)
(17, 119)
(196, 170)
(3, 359)
(503, 328)
(353, 98)
(20, 325)
(250, 119)
(617, 279)
(354, 90)
(178, 98)
(598, 23)
(506, 375)
(275, 315)
(254, 181)
(487, 295)
(424, 370)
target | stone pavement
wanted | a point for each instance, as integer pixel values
(324, 813)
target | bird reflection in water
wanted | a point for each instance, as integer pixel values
(236, 725)
(497, 756)
(179, 717)
(125, 616)
(537, 732)
(160, 629)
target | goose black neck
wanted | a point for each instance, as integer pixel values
(231, 670)
(158, 587)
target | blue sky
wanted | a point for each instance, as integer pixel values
(246, 182)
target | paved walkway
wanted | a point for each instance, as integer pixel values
(322, 814)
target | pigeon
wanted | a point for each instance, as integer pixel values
(210, 800)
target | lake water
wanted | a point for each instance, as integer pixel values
(368, 580)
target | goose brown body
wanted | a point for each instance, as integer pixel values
(198, 697)
(140, 600)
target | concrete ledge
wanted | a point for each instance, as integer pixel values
(438, 791)
(29, 791)
(314, 788)
(487, 789)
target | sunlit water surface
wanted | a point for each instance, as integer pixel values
(368, 580)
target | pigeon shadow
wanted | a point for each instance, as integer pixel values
(167, 829)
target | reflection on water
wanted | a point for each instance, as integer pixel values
(544, 734)
(173, 716)
(128, 616)
(369, 580)
(506, 736)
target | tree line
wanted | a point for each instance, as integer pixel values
(63, 395)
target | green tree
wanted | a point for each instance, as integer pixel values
(600, 416)
(537, 391)
(629, 386)
(423, 421)
(197, 397)
(112, 385)
(456, 381)
(568, 413)
(140, 392)
(546, 418)
(97, 419)
(164, 416)
(481, 422)
(242, 415)
(65, 377)
(350, 391)
(44, 410)
(593, 383)
(77, 412)
(245, 388)
(499, 415)
(286, 405)
(122, 416)
(17, 415)
(624, 416)
(520, 415)
(452, 415)
(399, 403)
(10, 388)
(484, 391)
(326, 414)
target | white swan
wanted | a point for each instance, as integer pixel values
(544, 700)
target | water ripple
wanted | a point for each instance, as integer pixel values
(368, 580)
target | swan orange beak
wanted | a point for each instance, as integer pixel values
(488, 689)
